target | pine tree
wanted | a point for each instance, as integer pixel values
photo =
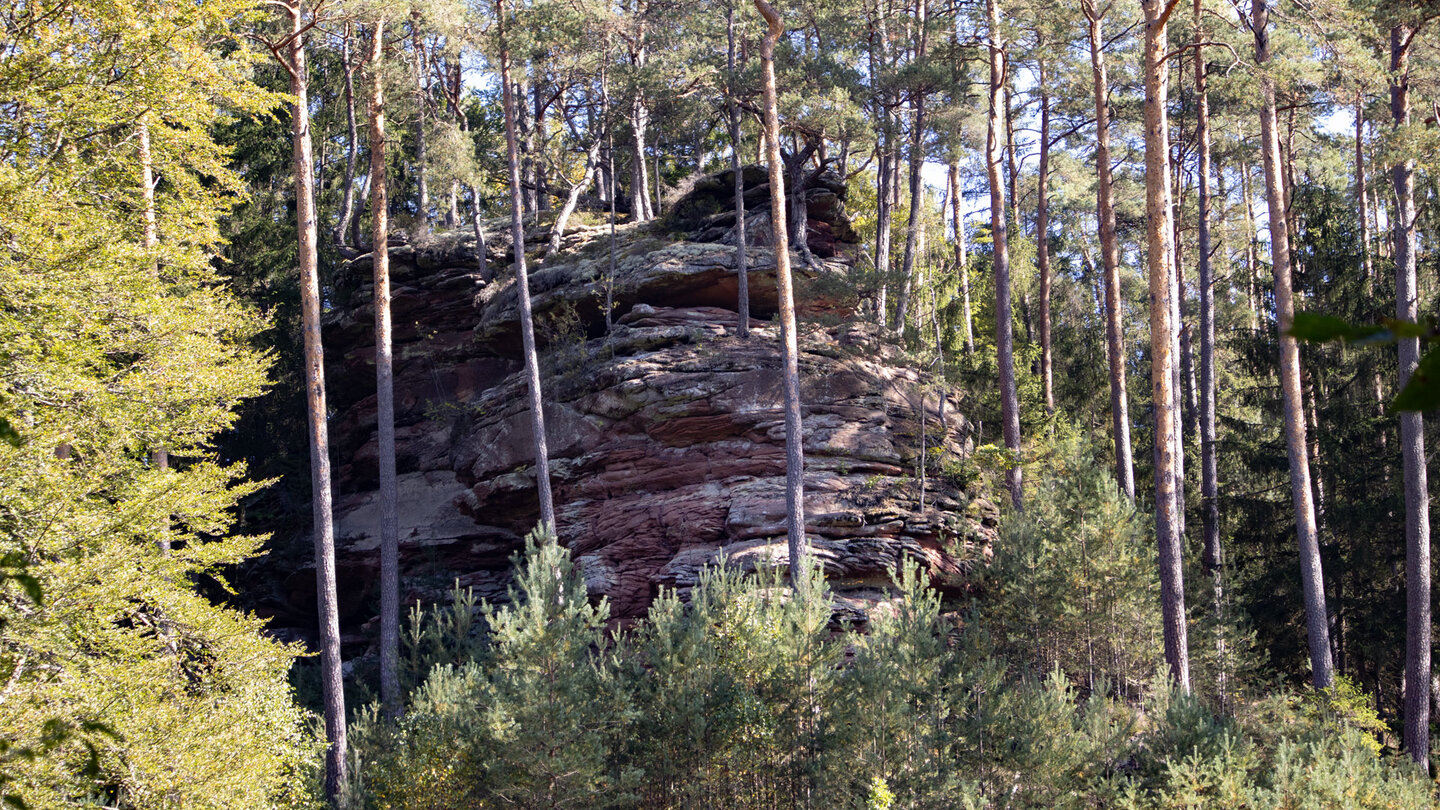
(789, 348)
(1412, 426)
(522, 283)
(384, 383)
(1158, 254)
(1004, 326)
(1317, 619)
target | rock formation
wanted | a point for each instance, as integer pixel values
(666, 436)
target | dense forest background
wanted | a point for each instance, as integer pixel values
(1094, 221)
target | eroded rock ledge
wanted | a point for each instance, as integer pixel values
(666, 435)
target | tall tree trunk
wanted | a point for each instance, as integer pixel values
(1212, 557)
(1162, 328)
(913, 223)
(796, 185)
(883, 212)
(1381, 244)
(659, 203)
(1367, 264)
(640, 175)
(1312, 580)
(352, 146)
(539, 182)
(479, 227)
(957, 224)
(1042, 241)
(1181, 367)
(1362, 193)
(390, 696)
(1004, 321)
(150, 236)
(611, 182)
(421, 99)
(1412, 426)
(331, 678)
(1252, 258)
(1012, 165)
(742, 269)
(159, 457)
(794, 451)
(522, 286)
(1110, 259)
(529, 184)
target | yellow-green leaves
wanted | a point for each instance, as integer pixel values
(120, 683)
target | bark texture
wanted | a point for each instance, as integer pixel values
(1110, 260)
(1159, 254)
(742, 270)
(789, 349)
(1316, 618)
(522, 285)
(303, 160)
(390, 696)
(1042, 242)
(1412, 428)
(1004, 323)
(1212, 556)
(957, 224)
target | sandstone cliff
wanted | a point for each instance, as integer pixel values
(666, 435)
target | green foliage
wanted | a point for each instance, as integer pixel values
(1073, 583)
(124, 685)
(740, 693)
(524, 724)
(1422, 392)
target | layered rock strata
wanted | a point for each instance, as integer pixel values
(666, 434)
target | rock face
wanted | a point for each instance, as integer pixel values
(666, 435)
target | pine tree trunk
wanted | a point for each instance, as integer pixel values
(1367, 264)
(539, 181)
(1212, 556)
(1110, 260)
(1362, 193)
(1252, 259)
(479, 228)
(1004, 321)
(1042, 243)
(529, 184)
(1012, 166)
(913, 222)
(794, 451)
(1312, 580)
(883, 212)
(641, 210)
(742, 270)
(332, 682)
(1412, 427)
(352, 146)
(957, 224)
(913, 225)
(421, 97)
(1162, 377)
(150, 238)
(610, 187)
(390, 696)
(522, 287)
